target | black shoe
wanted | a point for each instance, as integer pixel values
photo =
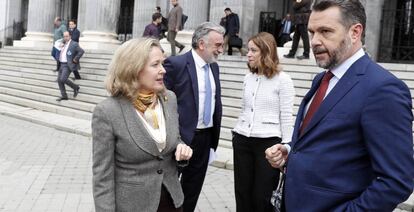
(78, 78)
(75, 92)
(61, 98)
(181, 49)
(302, 57)
(289, 56)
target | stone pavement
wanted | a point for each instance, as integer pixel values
(44, 169)
(45, 165)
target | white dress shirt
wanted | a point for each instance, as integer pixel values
(199, 63)
(63, 58)
(267, 107)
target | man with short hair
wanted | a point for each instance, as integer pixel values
(163, 27)
(73, 31)
(174, 26)
(74, 34)
(301, 11)
(59, 29)
(152, 29)
(68, 62)
(194, 78)
(232, 26)
(352, 145)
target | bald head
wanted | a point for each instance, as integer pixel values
(66, 36)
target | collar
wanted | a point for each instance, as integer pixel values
(197, 59)
(340, 70)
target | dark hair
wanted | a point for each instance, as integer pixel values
(352, 12)
(158, 8)
(72, 20)
(58, 19)
(269, 60)
(227, 9)
(156, 16)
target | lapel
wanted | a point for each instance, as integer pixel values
(168, 123)
(136, 128)
(344, 85)
(215, 71)
(306, 99)
(192, 71)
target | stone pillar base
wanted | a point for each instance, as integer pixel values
(35, 39)
(99, 40)
(184, 37)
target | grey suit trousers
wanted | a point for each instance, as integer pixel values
(62, 79)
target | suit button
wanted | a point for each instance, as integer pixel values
(159, 171)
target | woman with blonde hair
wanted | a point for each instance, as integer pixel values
(136, 142)
(265, 119)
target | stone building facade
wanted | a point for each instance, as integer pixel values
(101, 21)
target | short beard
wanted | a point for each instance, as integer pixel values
(337, 55)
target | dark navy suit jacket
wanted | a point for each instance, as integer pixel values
(356, 154)
(181, 78)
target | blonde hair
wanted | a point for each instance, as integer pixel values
(269, 60)
(129, 59)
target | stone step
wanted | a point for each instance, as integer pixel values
(84, 59)
(50, 78)
(85, 94)
(47, 98)
(46, 106)
(27, 68)
(29, 50)
(51, 64)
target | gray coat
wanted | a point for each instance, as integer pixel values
(74, 52)
(128, 169)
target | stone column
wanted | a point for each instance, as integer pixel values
(143, 10)
(40, 24)
(373, 10)
(100, 19)
(196, 10)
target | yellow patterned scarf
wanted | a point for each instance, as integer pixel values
(145, 103)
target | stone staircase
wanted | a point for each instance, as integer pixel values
(27, 79)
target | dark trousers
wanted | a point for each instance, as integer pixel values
(192, 176)
(254, 178)
(167, 203)
(171, 38)
(62, 79)
(76, 74)
(301, 31)
(284, 38)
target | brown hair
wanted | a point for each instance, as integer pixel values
(129, 59)
(269, 60)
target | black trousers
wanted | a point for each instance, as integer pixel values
(301, 31)
(166, 202)
(254, 178)
(192, 176)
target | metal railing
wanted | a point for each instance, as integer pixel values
(397, 36)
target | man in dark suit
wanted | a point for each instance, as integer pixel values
(74, 34)
(286, 29)
(352, 146)
(194, 78)
(174, 26)
(301, 11)
(232, 25)
(69, 61)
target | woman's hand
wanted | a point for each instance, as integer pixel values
(183, 152)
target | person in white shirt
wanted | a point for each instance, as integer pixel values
(265, 120)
